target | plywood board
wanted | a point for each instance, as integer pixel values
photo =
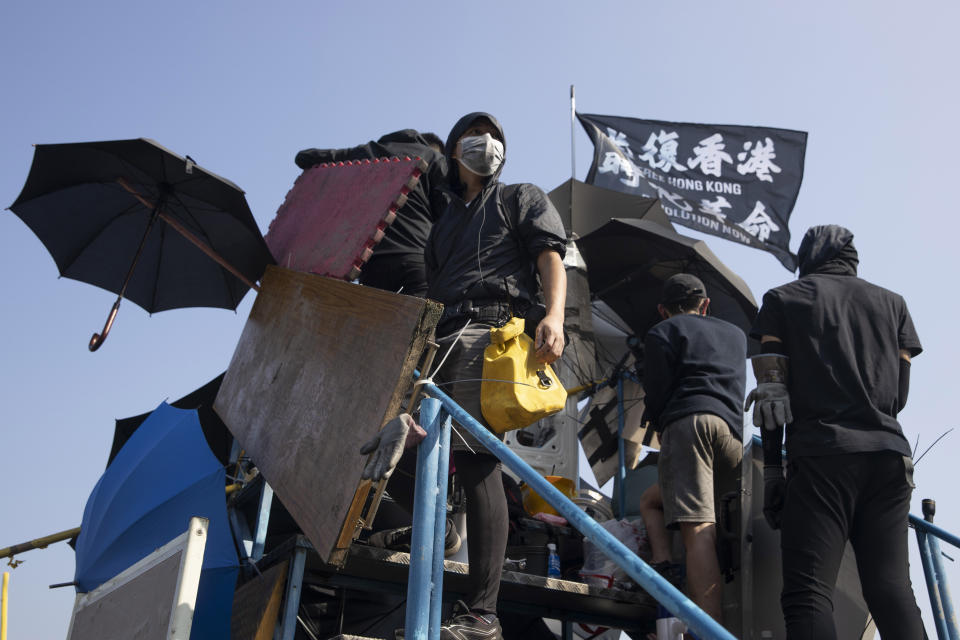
(322, 364)
(256, 604)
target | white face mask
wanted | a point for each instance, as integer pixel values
(482, 155)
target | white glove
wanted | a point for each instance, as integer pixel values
(387, 447)
(773, 405)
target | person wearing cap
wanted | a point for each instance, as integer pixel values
(694, 377)
(835, 369)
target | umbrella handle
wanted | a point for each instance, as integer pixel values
(97, 339)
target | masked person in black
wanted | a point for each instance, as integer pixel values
(835, 368)
(483, 257)
(397, 260)
(694, 377)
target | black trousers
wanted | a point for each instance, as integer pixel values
(487, 519)
(863, 498)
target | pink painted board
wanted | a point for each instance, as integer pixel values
(335, 214)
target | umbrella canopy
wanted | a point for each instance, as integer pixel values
(101, 207)
(584, 207)
(628, 261)
(163, 475)
(218, 437)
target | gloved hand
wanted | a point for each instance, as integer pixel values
(773, 405)
(387, 447)
(774, 488)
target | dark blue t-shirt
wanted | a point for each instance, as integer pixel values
(695, 364)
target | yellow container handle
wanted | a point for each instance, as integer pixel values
(509, 331)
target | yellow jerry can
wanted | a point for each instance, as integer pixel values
(516, 390)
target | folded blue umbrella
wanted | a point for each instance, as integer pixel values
(164, 475)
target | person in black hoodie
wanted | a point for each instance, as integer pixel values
(835, 369)
(397, 260)
(484, 254)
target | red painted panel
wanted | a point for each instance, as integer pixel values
(336, 213)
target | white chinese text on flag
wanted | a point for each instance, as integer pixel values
(735, 182)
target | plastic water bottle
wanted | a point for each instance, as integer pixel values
(553, 561)
(668, 626)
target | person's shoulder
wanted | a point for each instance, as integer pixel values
(526, 191)
(727, 329)
(883, 291)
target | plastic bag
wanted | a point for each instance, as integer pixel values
(600, 571)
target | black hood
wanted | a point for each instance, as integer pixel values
(828, 249)
(453, 167)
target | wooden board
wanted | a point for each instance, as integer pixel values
(256, 605)
(321, 365)
(335, 214)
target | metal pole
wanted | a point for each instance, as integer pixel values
(573, 140)
(621, 454)
(943, 590)
(440, 519)
(673, 600)
(940, 577)
(424, 516)
(291, 604)
(929, 573)
(918, 523)
(39, 543)
(3, 605)
(263, 521)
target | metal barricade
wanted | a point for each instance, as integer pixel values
(425, 589)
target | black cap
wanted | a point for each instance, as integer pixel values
(681, 286)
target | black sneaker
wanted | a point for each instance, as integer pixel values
(465, 625)
(399, 539)
(674, 573)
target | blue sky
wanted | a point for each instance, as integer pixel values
(241, 86)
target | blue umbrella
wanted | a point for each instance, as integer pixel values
(163, 475)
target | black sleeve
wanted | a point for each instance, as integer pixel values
(772, 443)
(769, 320)
(907, 335)
(539, 223)
(311, 157)
(658, 371)
(904, 384)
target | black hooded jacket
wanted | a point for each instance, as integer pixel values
(407, 236)
(843, 336)
(486, 250)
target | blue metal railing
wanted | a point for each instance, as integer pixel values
(930, 555)
(424, 591)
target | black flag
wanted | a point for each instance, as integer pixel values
(738, 183)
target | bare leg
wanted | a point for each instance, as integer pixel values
(703, 569)
(651, 510)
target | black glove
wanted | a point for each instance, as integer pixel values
(774, 488)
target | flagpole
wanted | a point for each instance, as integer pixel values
(573, 149)
(573, 125)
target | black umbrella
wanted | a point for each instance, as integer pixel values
(100, 208)
(217, 435)
(628, 261)
(584, 207)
